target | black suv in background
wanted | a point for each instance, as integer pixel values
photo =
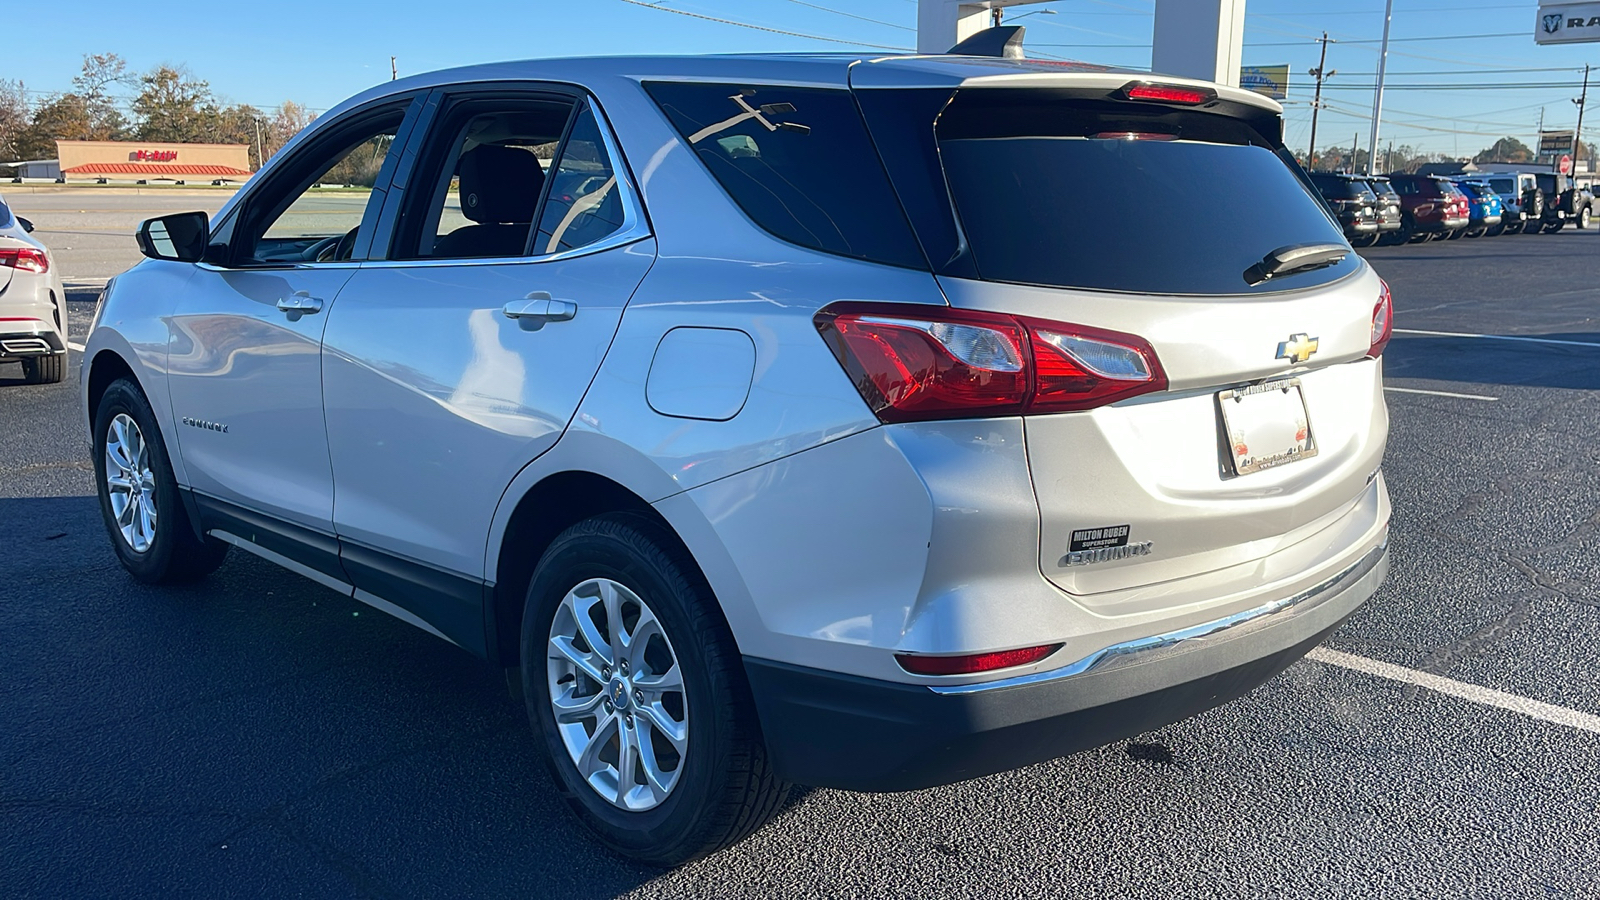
(1353, 204)
(1388, 206)
(1563, 202)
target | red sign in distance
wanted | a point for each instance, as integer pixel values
(1565, 166)
(154, 155)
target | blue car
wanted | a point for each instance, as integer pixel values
(1484, 203)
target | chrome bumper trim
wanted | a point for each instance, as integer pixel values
(1132, 651)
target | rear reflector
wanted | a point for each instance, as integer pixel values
(1382, 321)
(973, 662)
(1167, 93)
(24, 259)
(913, 363)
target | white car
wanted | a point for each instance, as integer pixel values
(794, 419)
(33, 303)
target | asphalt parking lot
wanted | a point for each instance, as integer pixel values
(258, 735)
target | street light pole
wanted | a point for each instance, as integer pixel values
(1377, 96)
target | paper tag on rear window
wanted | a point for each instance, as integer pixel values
(1100, 538)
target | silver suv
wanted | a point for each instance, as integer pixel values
(777, 420)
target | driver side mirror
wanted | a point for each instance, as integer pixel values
(181, 237)
(26, 225)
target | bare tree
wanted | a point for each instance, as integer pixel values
(15, 115)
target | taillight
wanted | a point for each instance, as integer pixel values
(913, 363)
(973, 662)
(25, 259)
(1382, 321)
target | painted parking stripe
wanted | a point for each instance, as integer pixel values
(1546, 712)
(1402, 390)
(1497, 337)
(77, 347)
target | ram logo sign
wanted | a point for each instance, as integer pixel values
(1567, 23)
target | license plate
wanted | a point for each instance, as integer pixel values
(1267, 425)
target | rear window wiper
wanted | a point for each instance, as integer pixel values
(1294, 259)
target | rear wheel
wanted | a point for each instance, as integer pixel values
(1583, 217)
(1364, 240)
(1455, 235)
(44, 369)
(1496, 230)
(1408, 231)
(630, 675)
(1553, 227)
(139, 502)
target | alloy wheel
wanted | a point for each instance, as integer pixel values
(130, 483)
(617, 694)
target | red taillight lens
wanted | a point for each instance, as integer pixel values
(973, 662)
(913, 363)
(1382, 321)
(1167, 93)
(25, 259)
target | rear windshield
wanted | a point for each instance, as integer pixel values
(1503, 185)
(1114, 196)
(1337, 187)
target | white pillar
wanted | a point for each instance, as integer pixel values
(942, 24)
(1199, 39)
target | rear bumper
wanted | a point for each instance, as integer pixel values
(831, 730)
(22, 338)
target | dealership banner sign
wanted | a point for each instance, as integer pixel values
(1270, 80)
(1567, 23)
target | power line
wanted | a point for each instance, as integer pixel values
(813, 37)
(840, 12)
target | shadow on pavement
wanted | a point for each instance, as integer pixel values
(1488, 361)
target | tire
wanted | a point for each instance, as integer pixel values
(1407, 234)
(44, 369)
(1364, 240)
(721, 787)
(1512, 227)
(1455, 235)
(1553, 227)
(1583, 218)
(1496, 230)
(1476, 232)
(170, 553)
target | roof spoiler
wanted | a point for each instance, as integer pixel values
(1004, 41)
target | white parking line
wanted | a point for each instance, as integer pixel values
(1439, 393)
(1497, 337)
(1546, 712)
(77, 347)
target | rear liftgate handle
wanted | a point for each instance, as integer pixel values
(534, 310)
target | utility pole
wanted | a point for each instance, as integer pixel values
(261, 158)
(1577, 133)
(1355, 147)
(394, 71)
(1321, 74)
(1377, 96)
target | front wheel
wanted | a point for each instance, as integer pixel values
(139, 502)
(632, 678)
(1583, 217)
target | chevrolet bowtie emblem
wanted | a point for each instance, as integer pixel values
(1298, 348)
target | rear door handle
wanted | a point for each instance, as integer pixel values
(538, 308)
(299, 304)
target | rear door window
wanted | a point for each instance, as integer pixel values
(799, 162)
(1080, 194)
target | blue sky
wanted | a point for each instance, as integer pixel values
(319, 53)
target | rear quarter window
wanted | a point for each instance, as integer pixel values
(798, 162)
(5, 215)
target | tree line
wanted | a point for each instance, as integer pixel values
(168, 104)
(1406, 158)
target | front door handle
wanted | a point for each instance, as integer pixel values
(299, 304)
(538, 308)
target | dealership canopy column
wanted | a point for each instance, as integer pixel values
(1193, 38)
